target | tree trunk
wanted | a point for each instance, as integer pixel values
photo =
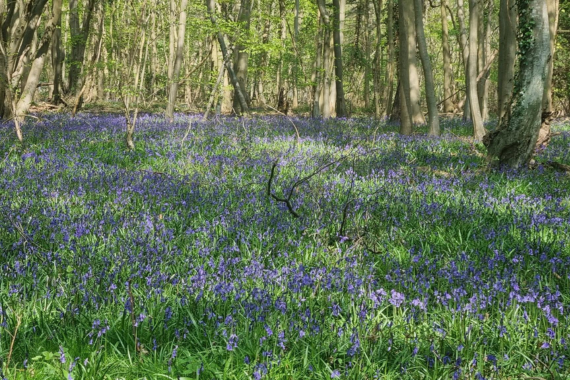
(508, 21)
(377, 56)
(547, 108)
(338, 8)
(22, 105)
(79, 34)
(448, 105)
(389, 85)
(316, 77)
(57, 57)
(408, 62)
(326, 88)
(405, 117)
(225, 56)
(177, 61)
(242, 58)
(404, 75)
(513, 143)
(478, 128)
(428, 73)
(465, 55)
(484, 55)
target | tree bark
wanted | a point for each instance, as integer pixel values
(210, 4)
(408, 62)
(57, 57)
(513, 143)
(377, 57)
(448, 105)
(428, 73)
(547, 107)
(508, 21)
(338, 9)
(79, 34)
(242, 57)
(23, 102)
(478, 128)
(404, 62)
(389, 85)
(464, 54)
(177, 61)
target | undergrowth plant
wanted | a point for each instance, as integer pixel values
(409, 259)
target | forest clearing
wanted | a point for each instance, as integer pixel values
(409, 258)
(273, 189)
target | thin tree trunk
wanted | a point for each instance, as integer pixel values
(238, 90)
(338, 8)
(478, 128)
(428, 73)
(316, 77)
(24, 102)
(177, 62)
(406, 41)
(389, 85)
(377, 57)
(465, 55)
(79, 35)
(448, 105)
(326, 88)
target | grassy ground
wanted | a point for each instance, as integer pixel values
(409, 259)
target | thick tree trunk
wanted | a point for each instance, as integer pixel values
(405, 117)
(242, 58)
(547, 108)
(177, 61)
(428, 73)
(513, 143)
(508, 21)
(478, 128)
(408, 62)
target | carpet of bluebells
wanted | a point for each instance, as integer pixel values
(410, 259)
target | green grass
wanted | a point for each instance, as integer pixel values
(182, 237)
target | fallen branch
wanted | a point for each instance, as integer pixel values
(287, 200)
(559, 166)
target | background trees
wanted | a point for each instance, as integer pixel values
(323, 58)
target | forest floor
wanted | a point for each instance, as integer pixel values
(276, 248)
